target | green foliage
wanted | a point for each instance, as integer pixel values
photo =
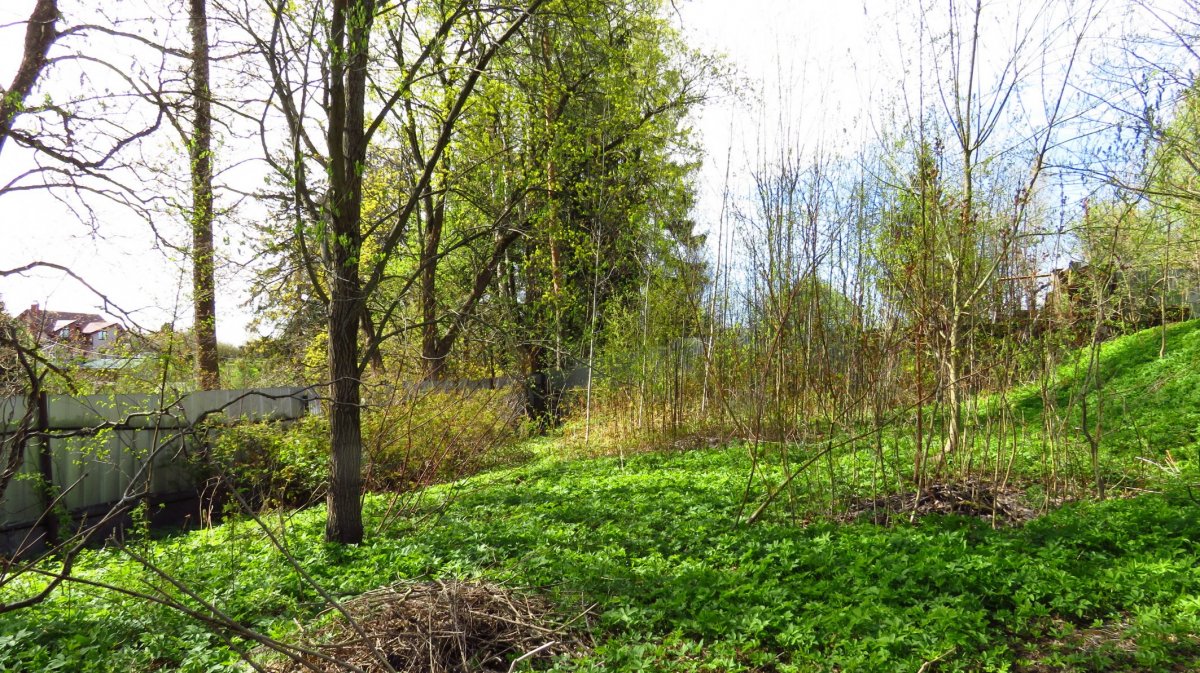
(678, 586)
(272, 464)
(652, 540)
(1151, 404)
(580, 165)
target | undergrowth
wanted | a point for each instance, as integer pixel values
(654, 546)
(1150, 404)
(677, 585)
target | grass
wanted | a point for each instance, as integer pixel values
(679, 586)
(1151, 404)
(655, 543)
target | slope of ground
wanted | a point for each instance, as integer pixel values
(648, 554)
(673, 584)
(1147, 405)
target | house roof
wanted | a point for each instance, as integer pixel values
(70, 316)
(51, 322)
(93, 327)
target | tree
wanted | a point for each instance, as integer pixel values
(201, 165)
(974, 243)
(89, 147)
(527, 147)
(613, 160)
(40, 34)
(325, 185)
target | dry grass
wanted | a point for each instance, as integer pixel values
(416, 438)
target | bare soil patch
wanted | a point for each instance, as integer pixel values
(1106, 646)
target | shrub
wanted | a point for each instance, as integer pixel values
(418, 438)
(272, 464)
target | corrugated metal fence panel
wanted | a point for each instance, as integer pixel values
(150, 411)
(12, 409)
(170, 471)
(258, 404)
(98, 469)
(90, 411)
(89, 470)
(21, 501)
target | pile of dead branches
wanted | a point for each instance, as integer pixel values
(1001, 506)
(439, 627)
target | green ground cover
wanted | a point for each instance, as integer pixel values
(1151, 404)
(678, 584)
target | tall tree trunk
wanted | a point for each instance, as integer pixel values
(200, 149)
(344, 522)
(533, 351)
(40, 34)
(433, 356)
(954, 396)
(591, 358)
(350, 31)
(537, 384)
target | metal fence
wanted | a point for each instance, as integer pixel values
(95, 450)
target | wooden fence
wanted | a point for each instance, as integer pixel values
(97, 450)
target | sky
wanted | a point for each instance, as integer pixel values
(805, 70)
(117, 257)
(809, 72)
(759, 38)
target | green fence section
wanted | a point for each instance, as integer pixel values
(101, 448)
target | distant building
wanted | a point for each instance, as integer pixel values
(1137, 296)
(72, 335)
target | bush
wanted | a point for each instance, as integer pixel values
(411, 440)
(425, 437)
(272, 464)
